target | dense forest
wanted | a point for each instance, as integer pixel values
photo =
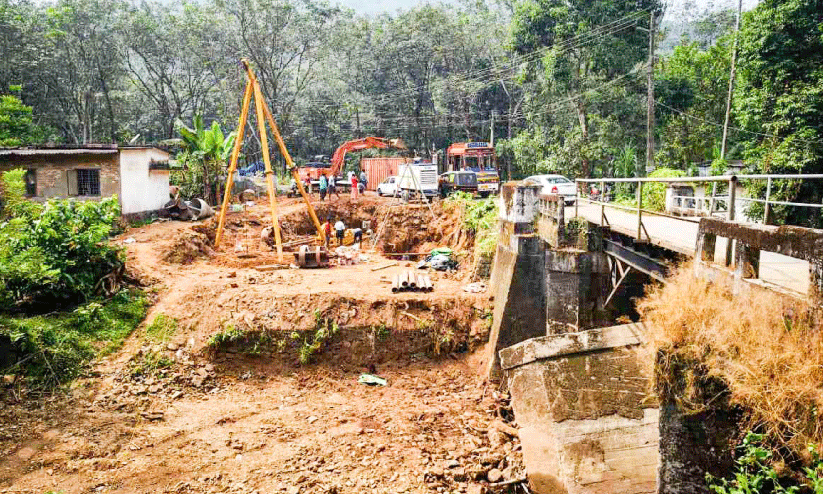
(563, 86)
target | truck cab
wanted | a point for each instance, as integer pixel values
(477, 158)
(464, 181)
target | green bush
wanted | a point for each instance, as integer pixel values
(55, 253)
(480, 218)
(654, 194)
(755, 474)
(53, 349)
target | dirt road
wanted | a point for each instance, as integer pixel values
(216, 421)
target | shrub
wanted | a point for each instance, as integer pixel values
(480, 218)
(765, 351)
(56, 253)
(755, 473)
(53, 349)
(654, 194)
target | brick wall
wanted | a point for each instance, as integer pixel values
(52, 172)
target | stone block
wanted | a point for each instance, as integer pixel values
(588, 423)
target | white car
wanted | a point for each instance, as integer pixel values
(387, 187)
(556, 184)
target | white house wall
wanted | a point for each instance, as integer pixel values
(141, 189)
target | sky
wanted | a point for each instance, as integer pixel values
(675, 7)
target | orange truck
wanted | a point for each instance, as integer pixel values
(478, 158)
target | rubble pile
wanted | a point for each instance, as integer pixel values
(157, 372)
(188, 246)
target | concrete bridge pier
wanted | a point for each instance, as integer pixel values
(577, 284)
(543, 287)
(516, 279)
(587, 424)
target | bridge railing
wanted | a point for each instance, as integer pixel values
(689, 207)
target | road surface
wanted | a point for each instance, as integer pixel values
(680, 235)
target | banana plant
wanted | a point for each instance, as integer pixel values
(205, 151)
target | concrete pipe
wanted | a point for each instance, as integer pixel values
(200, 209)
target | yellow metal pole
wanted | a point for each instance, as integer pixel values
(264, 143)
(290, 164)
(235, 153)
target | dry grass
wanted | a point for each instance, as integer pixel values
(756, 350)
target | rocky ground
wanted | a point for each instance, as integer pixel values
(180, 415)
(246, 424)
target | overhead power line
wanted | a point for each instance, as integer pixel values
(720, 125)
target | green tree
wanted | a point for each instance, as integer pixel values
(585, 51)
(16, 125)
(779, 99)
(691, 90)
(205, 152)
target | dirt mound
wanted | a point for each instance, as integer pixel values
(370, 331)
(188, 246)
(412, 228)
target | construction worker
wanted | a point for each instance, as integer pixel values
(324, 186)
(364, 180)
(339, 230)
(333, 187)
(326, 227)
(354, 189)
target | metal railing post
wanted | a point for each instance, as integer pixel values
(639, 209)
(602, 204)
(576, 196)
(730, 216)
(766, 206)
(711, 203)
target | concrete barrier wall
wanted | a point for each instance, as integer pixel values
(588, 423)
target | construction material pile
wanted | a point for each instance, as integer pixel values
(409, 281)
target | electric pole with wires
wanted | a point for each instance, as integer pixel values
(650, 98)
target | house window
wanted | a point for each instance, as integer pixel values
(84, 182)
(31, 182)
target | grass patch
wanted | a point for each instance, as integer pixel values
(149, 364)
(161, 329)
(765, 351)
(230, 334)
(53, 349)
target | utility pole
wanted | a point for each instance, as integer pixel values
(493, 114)
(731, 81)
(650, 98)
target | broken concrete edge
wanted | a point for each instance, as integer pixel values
(549, 347)
(792, 241)
(519, 203)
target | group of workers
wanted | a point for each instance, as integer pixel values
(328, 185)
(340, 232)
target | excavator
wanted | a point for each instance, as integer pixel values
(312, 172)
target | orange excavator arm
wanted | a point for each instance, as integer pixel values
(339, 157)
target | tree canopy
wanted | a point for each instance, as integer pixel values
(562, 86)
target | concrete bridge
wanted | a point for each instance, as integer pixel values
(562, 277)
